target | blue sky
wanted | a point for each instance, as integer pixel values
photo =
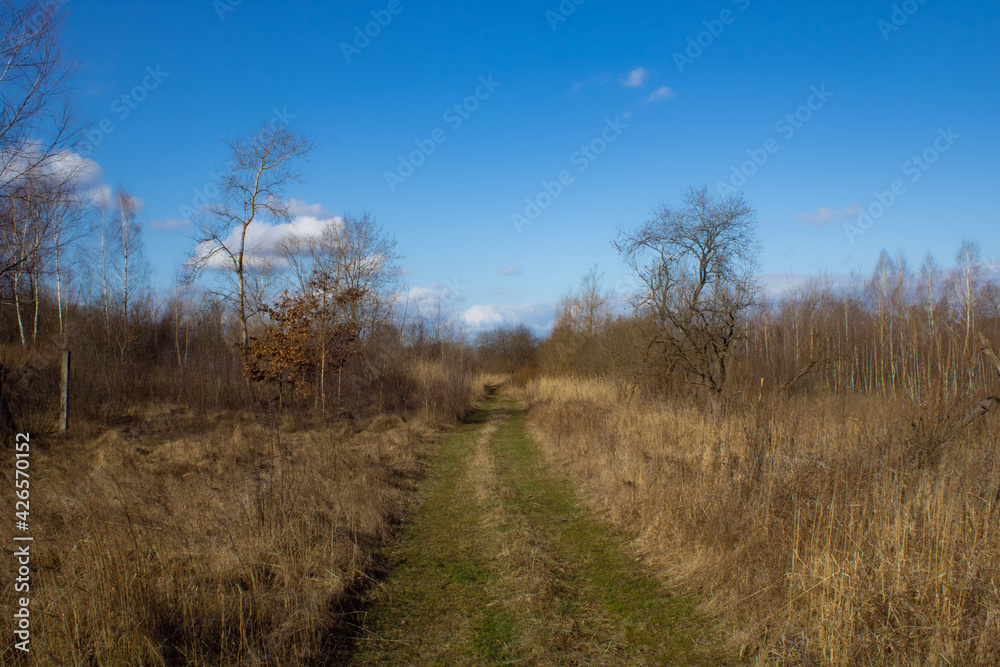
(815, 111)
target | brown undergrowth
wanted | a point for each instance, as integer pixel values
(820, 527)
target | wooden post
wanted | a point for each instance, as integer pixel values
(64, 392)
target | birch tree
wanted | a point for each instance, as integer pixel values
(252, 187)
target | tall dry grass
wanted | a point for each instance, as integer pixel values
(822, 529)
(229, 539)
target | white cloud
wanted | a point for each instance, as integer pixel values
(539, 316)
(482, 317)
(262, 239)
(17, 162)
(661, 93)
(636, 78)
(514, 270)
(824, 216)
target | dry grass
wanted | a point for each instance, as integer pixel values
(821, 530)
(234, 540)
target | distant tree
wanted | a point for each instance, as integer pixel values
(252, 189)
(358, 254)
(582, 317)
(696, 264)
(507, 348)
(967, 282)
(131, 266)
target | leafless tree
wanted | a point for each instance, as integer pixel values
(588, 310)
(39, 127)
(252, 189)
(357, 254)
(507, 348)
(582, 318)
(696, 264)
(966, 283)
(131, 265)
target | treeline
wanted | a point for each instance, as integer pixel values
(335, 342)
(897, 331)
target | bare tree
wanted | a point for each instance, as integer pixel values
(507, 348)
(131, 265)
(929, 294)
(966, 280)
(357, 254)
(38, 132)
(38, 124)
(26, 233)
(252, 188)
(588, 310)
(71, 224)
(582, 317)
(696, 264)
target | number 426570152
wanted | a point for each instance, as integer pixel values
(22, 448)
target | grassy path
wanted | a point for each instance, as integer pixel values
(500, 566)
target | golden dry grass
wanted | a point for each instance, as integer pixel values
(232, 540)
(819, 533)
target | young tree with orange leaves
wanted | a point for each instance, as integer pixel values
(304, 339)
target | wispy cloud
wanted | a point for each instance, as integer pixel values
(782, 285)
(511, 271)
(661, 93)
(299, 208)
(636, 77)
(824, 216)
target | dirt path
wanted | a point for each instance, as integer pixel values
(499, 565)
